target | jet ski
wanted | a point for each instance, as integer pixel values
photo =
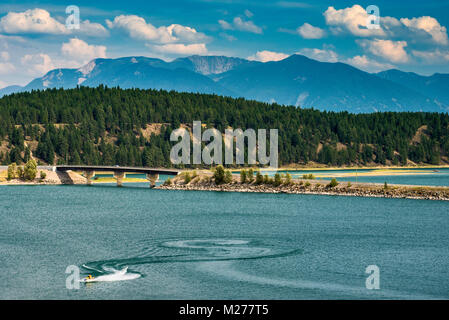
(89, 278)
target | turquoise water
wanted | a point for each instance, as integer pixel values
(438, 178)
(160, 181)
(128, 175)
(433, 179)
(209, 245)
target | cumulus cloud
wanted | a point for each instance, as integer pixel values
(37, 64)
(323, 55)
(353, 20)
(181, 49)
(91, 29)
(31, 21)
(366, 64)
(81, 51)
(432, 57)
(241, 25)
(138, 28)
(39, 21)
(308, 31)
(389, 50)
(265, 56)
(428, 25)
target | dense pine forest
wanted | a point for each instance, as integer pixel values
(132, 127)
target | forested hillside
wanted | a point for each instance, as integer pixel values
(132, 127)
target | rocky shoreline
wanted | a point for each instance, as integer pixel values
(314, 187)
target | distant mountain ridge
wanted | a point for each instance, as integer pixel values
(296, 80)
(435, 86)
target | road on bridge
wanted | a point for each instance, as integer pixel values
(119, 172)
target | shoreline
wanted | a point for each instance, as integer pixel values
(305, 192)
(52, 178)
(205, 182)
(344, 168)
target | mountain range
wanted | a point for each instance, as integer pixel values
(296, 80)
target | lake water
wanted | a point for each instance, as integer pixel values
(210, 245)
(425, 177)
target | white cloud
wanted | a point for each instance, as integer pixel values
(225, 25)
(6, 67)
(181, 49)
(39, 21)
(360, 61)
(323, 55)
(353, 20)
(81, 51)
(37, 64)
(308, 31)
(6, 41)
(4, 56)
(31, 21)
(432, 57)
(186, 34)
(248, 26)
(366, 64)
(138, 28)
(241, 25)
(429, 25)
(265, 56)
(389, 50)
(91, 29)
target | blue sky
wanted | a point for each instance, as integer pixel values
(412, 35)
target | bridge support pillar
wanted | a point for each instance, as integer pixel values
(153, 178)
(89, 174)
(119, 175)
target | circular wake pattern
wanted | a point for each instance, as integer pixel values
(193, 250)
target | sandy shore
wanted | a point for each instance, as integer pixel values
(313, 167)
(58, 178)
(353, 171)
(52, 178)
(376, 168)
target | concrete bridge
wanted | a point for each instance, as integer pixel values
(119, 172)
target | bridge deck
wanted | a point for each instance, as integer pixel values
(117, 169)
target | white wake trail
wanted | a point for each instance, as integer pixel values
(116, 275)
